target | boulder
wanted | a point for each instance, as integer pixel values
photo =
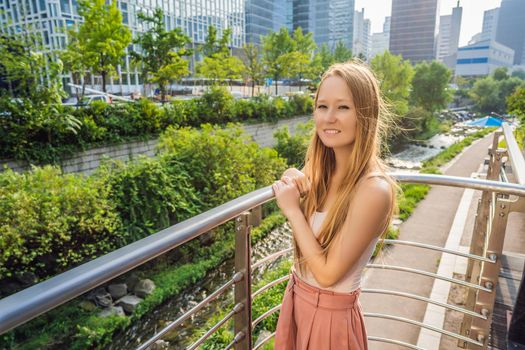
(144, 288)
(132, 280)
(129, 303)
(112, 311)
(118, 290)
(103, 298)
(159, 345)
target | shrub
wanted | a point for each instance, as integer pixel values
(51, 222)
(293, 148)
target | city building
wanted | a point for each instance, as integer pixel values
(482, 58)
(511, 28)
(50, 18)
(330, 21)
(448, 37)
(413, 29)
(264, 16)
(362, 40)
(380, 41)
(490, 24)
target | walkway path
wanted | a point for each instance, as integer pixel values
(430, 223)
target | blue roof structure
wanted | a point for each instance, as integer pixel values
(486, 122)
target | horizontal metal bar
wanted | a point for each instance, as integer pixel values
(269, 285)
(463, 182)
(425, 299)
(432, 328)
(33, 301)
(236, 278)
(515, 155)
(397, 342)
(271, 257)
(441, 249)
(264, 341)
(238, 337)
(266, 314)
(429, 274)
(237, 308)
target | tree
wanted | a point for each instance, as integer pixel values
(322, 60)
(104, 36)
(485, 94)
(519, 73)
(430, 86)
(341, 53)
(277, 54)
(500, 73)
(253, 67)
(395, 77)
(516, 103)
(219, 64)
(303, 56)
(161, 51)
(77, 61)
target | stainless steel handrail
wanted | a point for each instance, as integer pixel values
(236, 278)
(444, 250)
(31, 302)
(269, 285)
(423, 325)
(429, 274)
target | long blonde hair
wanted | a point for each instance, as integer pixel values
(372, 121)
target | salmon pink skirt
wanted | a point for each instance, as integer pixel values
(316, 319)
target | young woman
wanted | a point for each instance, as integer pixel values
(338, 208)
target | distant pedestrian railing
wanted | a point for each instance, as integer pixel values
(499, 198)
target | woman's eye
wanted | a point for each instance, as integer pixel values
(321, 106)
(344, 107)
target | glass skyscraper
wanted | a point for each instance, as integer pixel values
(50, 18)
(511, 27)
(413, 29)
(263, 16)
(330, 21)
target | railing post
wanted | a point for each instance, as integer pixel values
(243, 291)
(479, 235)
(489, 278)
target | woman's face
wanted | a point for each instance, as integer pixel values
(335, 115)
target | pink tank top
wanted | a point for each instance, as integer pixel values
(352, 279)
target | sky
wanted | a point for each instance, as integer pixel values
(471, 21)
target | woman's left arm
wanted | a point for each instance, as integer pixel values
(365, 218)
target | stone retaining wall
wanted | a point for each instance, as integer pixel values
(86, 162)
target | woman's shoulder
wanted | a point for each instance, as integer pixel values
(375, 188)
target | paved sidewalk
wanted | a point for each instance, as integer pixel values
(430, 223)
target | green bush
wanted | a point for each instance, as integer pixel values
(51, 222)
(149, 194)
(293, 148)
(224, 163)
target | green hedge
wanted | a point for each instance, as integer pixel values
(49, 135)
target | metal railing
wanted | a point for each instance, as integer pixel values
(482, 271)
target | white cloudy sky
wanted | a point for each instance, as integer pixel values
(471, 22)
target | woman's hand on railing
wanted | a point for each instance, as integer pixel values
(299, 179)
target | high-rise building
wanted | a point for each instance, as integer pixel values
(490, 24)
(413, 29)
(362, 40)
(511, 28)
(264, 16)
(448, 37)
(380, 41)
(50, 18)
(330, 21)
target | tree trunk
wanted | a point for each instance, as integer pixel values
(276, 93)
(103, 74)
(253, 87)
